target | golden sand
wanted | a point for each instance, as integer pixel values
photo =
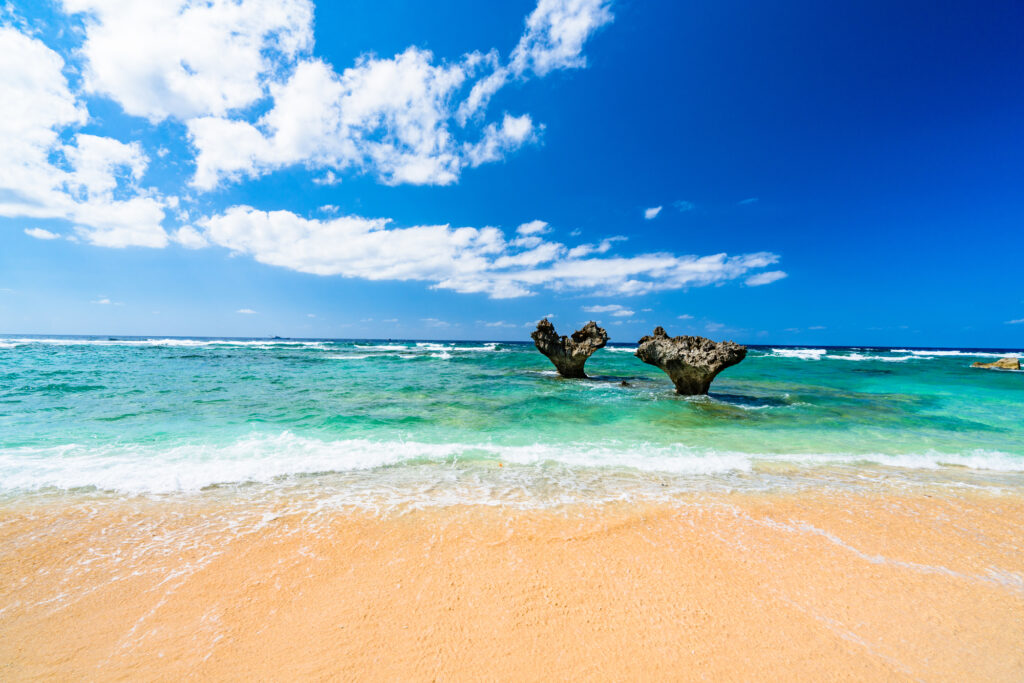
(713, 587)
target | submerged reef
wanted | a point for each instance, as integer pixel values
(569, 354)
(690, 362)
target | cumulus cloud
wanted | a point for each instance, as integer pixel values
(555, 33)
(497, 140)
(41, 234)
(765, 278)
(533, 228)
(463, 259)
(652, 212)
(92, 180)
(183, 58)
(189, 237)
(612, 309)
(404, 118)
(391, 116)
(211, 64)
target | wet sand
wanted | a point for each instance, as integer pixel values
(811, 586)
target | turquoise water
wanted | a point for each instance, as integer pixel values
(478, 419)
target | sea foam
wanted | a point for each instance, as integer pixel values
(803, 354)
(142, 469)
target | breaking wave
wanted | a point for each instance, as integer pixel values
(147, 469)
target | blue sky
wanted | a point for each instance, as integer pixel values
(827, 173)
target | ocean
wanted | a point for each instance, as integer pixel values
(383, 423)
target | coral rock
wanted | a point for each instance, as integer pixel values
(1008, 363)
(569, 354)
(691, 362)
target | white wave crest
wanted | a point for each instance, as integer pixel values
(188, 343)
(430, 346)
(884, 359)
(139, 468)
(802, 354)
(954, 352)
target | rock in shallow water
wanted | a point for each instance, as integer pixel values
(569, 354)
(690, 362)
(1008, 363)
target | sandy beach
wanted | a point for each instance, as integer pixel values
(861, 586)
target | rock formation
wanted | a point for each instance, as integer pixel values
(1009, 363)
(569, 354)
(691, 362)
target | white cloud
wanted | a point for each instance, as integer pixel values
(311, 315)
(816, 327)
(685, 316)
(765, 278)
(246, 311)
(104, 301)
(498, 141)
(389, 116)
(1018, 321)
(91, 182)
(190, 238)
(434, 322)
(182, 58)
(652, 212)
(748, 201)
(683, 206)
(612, 309)
(587, 249)
(497, 323)
(328, 178)
(41, 234)
(555, 33)
(713, 327)
(533, 228)
(466, 260)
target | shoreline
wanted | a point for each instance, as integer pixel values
(868, 584)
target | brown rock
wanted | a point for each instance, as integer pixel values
(690, 362)
(1008, 363)
(569, 354)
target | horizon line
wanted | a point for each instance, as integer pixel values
(118, 337)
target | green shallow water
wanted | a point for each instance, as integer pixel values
(156, 415)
